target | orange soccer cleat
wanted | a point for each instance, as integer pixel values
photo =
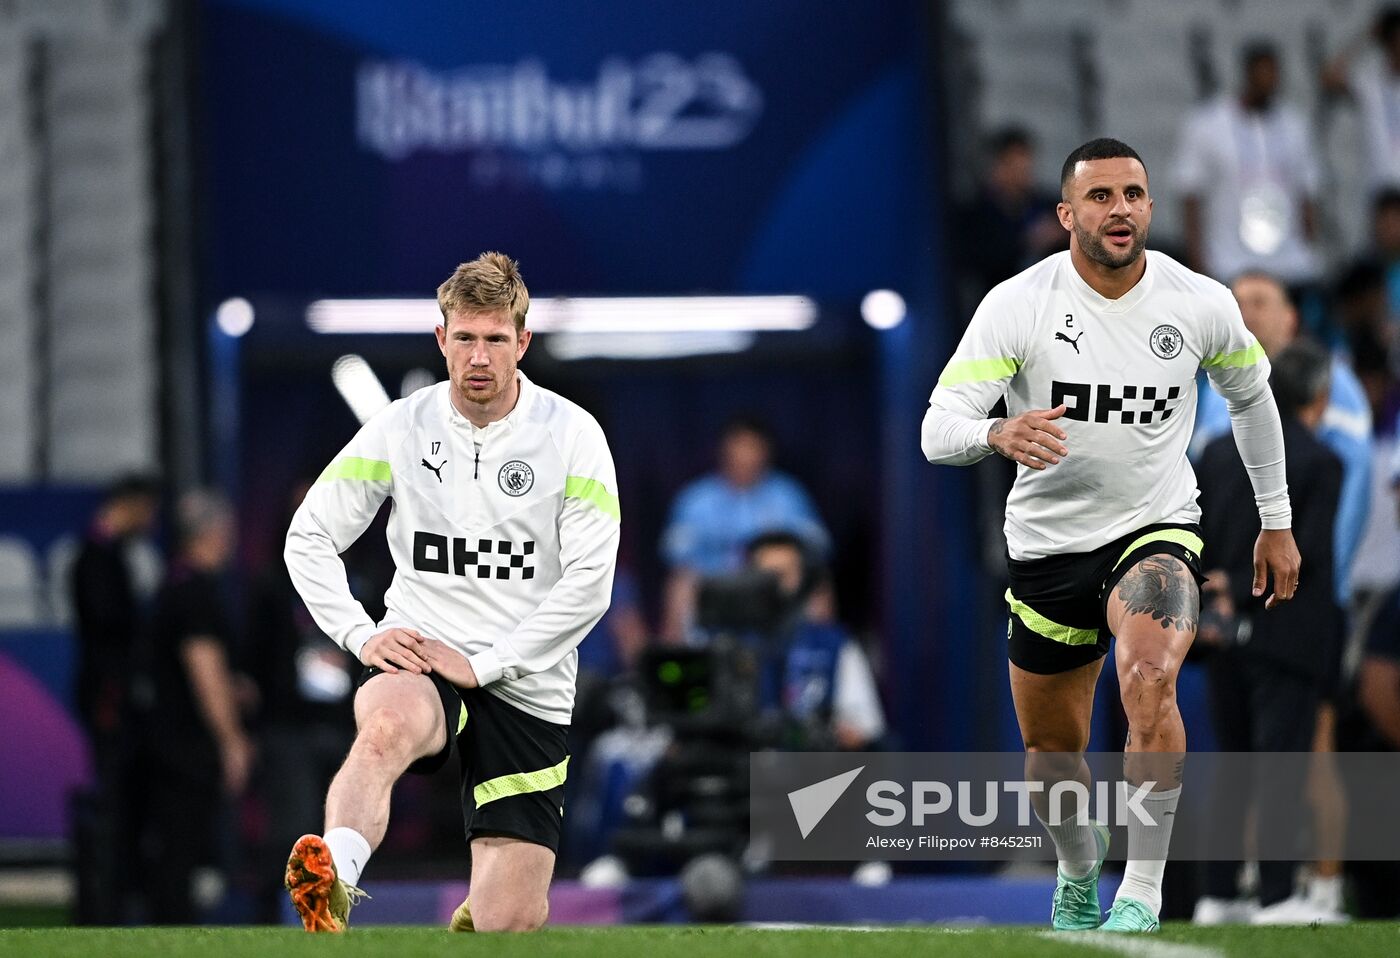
(321, 899)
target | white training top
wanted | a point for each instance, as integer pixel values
(1126, 369)
(503, 550)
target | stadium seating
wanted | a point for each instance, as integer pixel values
(1070, 71)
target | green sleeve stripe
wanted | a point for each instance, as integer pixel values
(353, 467)
(591, 490)
(1040, 625)
(521, 783)
(1236, 360)
(978, 371)
(1181, 537)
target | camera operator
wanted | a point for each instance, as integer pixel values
(815, 672)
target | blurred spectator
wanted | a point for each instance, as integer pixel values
(1346, 425)
(1374, 726)
(1265, 667)
(1376, 566)
(603, 752)
(106, 610)
(1364, 320)
(1374, 82)
(715, 516)
(1385, 243)
(106, 618)
(305, 683)
(612, 647)
(1010, 222)
(195, 748)
(1248, 172)
(822, 680)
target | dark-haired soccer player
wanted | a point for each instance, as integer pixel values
(1096, 351)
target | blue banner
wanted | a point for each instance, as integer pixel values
(367, 148)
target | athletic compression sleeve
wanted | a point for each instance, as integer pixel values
(950, 439)
(956, 425)
(1239, 370)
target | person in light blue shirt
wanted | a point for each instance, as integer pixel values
(1346, 425)
(717, 515)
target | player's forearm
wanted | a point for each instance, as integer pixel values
(588, 539)
(319, 576)
(1258, 434)
(953, 440)
(566, 616)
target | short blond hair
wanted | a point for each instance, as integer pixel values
(488, 283)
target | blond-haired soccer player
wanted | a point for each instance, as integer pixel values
(1096, 351)
(504, 536)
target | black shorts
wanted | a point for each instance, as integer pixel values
(1059, 604)
(512, 764)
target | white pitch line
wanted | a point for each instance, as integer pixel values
(803, 926)
(1134, 946)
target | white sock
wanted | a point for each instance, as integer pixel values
(1147, 847)
(1075, 844)
(349, 851)
(1326, 892)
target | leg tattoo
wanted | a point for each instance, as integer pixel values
(1162, 587)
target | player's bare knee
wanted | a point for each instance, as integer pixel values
(1148, 690)
(385, 731)
(1052, 764)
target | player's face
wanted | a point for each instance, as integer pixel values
(1107, 210)
(482, 350)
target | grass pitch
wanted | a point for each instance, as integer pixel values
(1361, 940)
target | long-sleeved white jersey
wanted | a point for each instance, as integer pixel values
(1126, 370)
(504, 539)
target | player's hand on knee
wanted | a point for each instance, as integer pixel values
(449, 663)
(395, 649)
(1032, 438)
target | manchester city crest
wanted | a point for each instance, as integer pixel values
(1166, 341)
(516, 478)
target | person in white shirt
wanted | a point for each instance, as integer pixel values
(1096, 350)
(504, 535)
(1249, 175)
(1374, 82)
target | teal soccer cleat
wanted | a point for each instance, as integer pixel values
(1075, 906)
(1130, 915)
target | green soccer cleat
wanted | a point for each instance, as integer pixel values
(1130, 915)
(1075, 906)
(321, 899)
